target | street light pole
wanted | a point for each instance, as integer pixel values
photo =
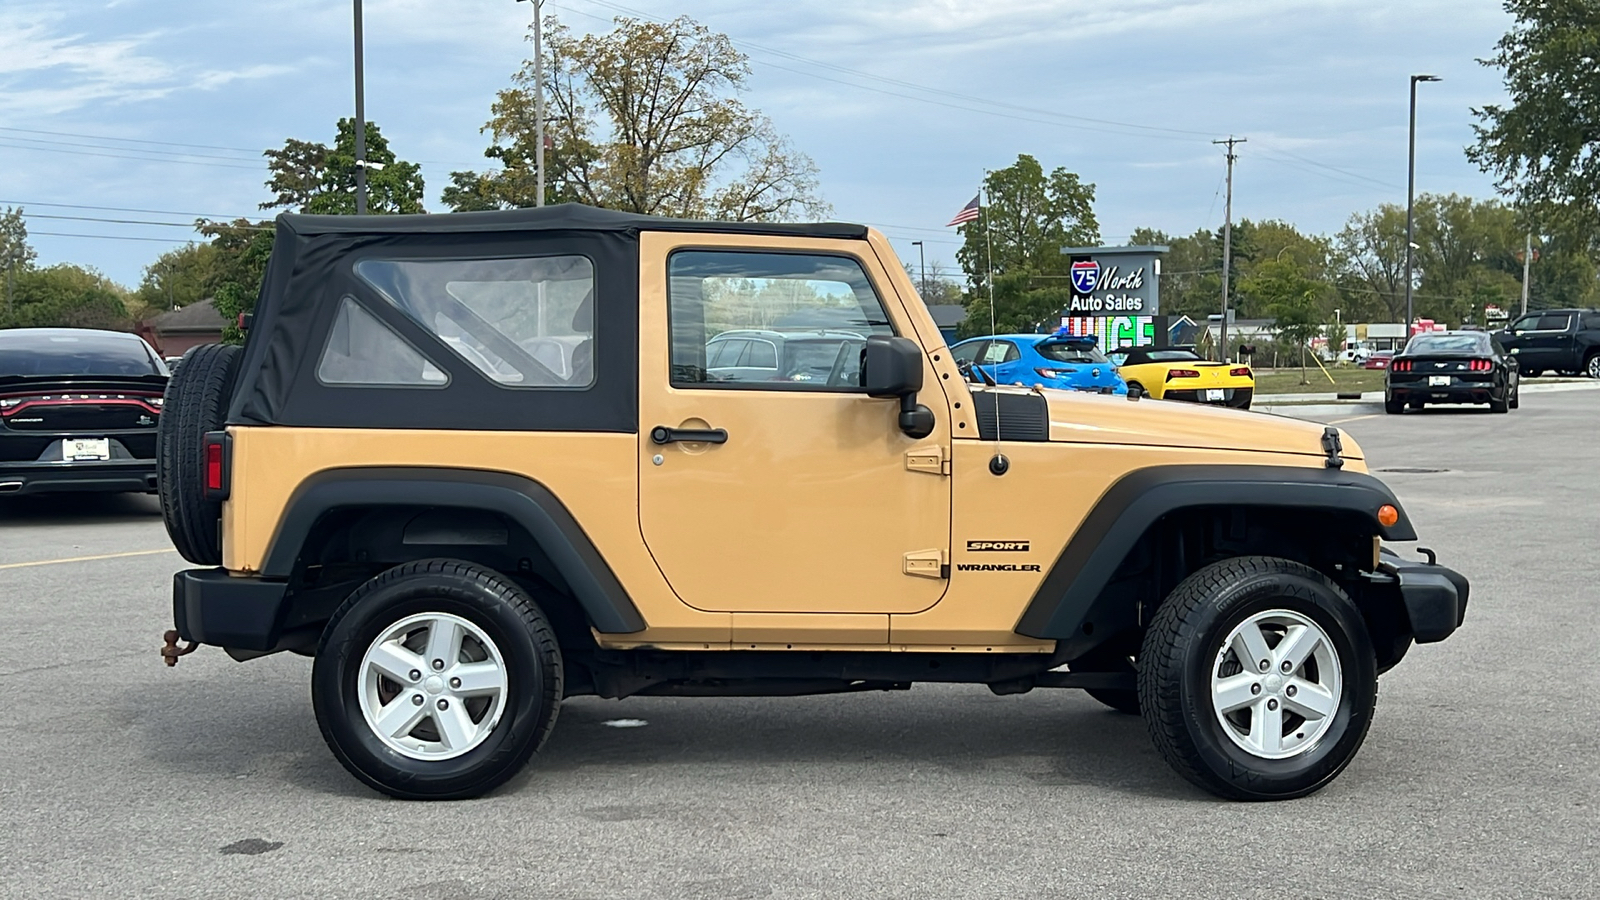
(538, 104)
(922, 286)
(1411, 189)
(361, 123)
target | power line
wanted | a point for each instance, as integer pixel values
(215, 165)
(168, 153)
(133, 221)
(107, 137)
(156, 212)
(110, 237)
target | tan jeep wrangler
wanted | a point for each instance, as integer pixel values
(478, 463)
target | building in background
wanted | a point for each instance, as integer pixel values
(173, 333)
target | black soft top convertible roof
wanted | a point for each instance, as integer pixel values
(312, 272)
(562, 217)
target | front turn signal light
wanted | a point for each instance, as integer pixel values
(1388, 515)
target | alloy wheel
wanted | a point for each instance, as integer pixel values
(1276, 684)
(432, 686)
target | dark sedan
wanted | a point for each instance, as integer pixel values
(78, 410)
(1452, 367)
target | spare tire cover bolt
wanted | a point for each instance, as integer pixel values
(1290, 691)
(416, 699)
(444, 704)
(415, 675)
(1287, 667)
(455, 683)
(1255, 688)
(1265, 665)
(438, 664)
(1271, 704)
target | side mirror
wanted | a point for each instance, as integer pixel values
(892, 370)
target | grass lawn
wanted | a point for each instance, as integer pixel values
(1287, 381)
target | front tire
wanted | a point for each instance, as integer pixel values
(436, 680)
(1239, 730)
(1591, 366)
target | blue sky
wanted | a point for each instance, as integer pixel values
(901, 104)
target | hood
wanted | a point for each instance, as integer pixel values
(1102, 419)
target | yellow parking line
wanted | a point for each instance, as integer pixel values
(1352, 419)
(73, 559)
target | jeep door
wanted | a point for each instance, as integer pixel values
(791, 493)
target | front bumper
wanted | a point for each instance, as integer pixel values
(1435, 597)
(211, 606)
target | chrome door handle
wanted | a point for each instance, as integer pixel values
(661, 434)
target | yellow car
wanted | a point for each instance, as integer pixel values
(1178, 373)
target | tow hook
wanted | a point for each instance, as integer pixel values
(170, 650)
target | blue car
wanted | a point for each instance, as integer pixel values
(1067, 362)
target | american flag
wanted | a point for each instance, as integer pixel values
(968, 213)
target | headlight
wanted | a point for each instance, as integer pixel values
(7, 404)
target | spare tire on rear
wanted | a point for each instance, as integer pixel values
(196, 402)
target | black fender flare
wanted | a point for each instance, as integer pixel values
(1130, 506)
(522, 500)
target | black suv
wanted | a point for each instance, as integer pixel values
(1563, 340)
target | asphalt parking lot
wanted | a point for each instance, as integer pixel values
(121, 777)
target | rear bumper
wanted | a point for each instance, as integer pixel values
(1468, 392)
(1238, 398)
(210, 606)
(1435, 597)
(42, 477)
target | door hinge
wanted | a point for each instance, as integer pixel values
(927, 563)
(928, 459)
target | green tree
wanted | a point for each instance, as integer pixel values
(65, 296)
(1544, 146)
(15, 253)
(240, 251)
(1281, 288)
(176, 279)
(1370, 261)
(1020, 231)
(646, 119)
(315, 178)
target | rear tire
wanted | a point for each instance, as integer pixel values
(196, 402)
(1249, 728)
(1591, 366)
(1516, 395)
(1394, 407)
(1501, 405)
(471, 646)
(1532, 373)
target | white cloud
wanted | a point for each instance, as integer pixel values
(47, 69)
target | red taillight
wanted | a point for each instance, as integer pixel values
(1400, 365)
(215, 448)
(1481, 365)
(213, 467)
(1182, 373)
(1240, 372)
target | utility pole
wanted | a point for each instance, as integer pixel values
(538, 105)
(1527, 257)
(1411, 188)
(922, 286)
(361, 123)
(1227, 247)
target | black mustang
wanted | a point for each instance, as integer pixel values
(78, 410)
(1452, 367)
